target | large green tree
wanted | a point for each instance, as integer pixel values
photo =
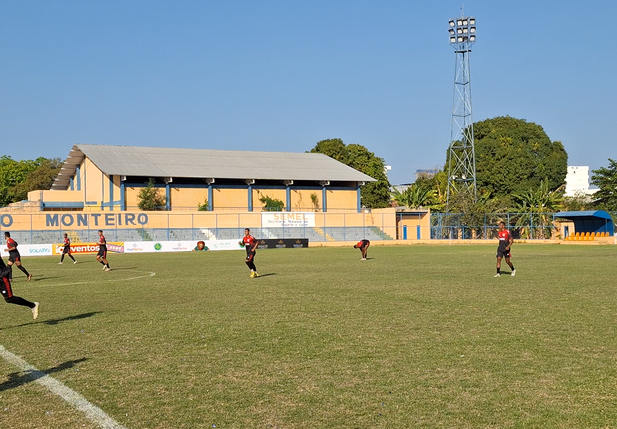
(14, 173)
(605, 178)
(513, 156)
(42, 178)
(373, 194)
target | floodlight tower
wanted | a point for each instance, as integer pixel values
(461, 155)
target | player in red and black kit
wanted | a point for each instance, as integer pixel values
(503, 251)
(67, 249)
(7, 291)
(101, 256)
(363, 245)
(250, 243)
(14, 257)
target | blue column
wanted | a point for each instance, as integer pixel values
(210, 194)
(250, 190)
(167, 197)
(288, 195)
(111, 192)
(359, 200)
(78, 178)
(122, 201)
(72, 184)
(323, 199)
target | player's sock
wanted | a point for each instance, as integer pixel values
(62, 258)
(11, 272)
(498, 270)
(102, 263)
(20, 301)
(23, 270)
(71, 256)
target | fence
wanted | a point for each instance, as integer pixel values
(456, 226)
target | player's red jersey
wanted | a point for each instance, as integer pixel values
(67, 241)
(102, 241)
(249, 241)
(11, 243)
(504, 239)
(362, 243)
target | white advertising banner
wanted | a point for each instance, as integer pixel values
(287, 220)
(30, 250)
(177, 246)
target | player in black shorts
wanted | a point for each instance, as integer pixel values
(503, 250)
(67, 249)
(101, 256)
(250, 243)
(363, 245)
(14, 257)
(7, 291)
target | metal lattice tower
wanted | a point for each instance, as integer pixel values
(461, 155)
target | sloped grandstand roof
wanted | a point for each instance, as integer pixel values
(207, 163)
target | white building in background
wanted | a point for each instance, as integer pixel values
(577, 181)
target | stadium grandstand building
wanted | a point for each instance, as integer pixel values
(205, 195)
(111, 177)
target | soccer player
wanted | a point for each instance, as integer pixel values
(14, 257)
(503, 251)
(102, 255)
(363, 245)
(67, 249)
(201, 247)
(250, 244)
(7, 291)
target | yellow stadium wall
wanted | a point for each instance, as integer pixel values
(301, 200)
(188, 198)
(412, 221)
(230, 199)
(275, 194)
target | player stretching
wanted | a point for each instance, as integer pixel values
(14, 257)
(363, 245)
(7, 292)
(250, 244)
(503, 251)
(102, 255)
(67, 249)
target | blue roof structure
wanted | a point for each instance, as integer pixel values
(589, 221)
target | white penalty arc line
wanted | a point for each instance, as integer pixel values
(74, 399)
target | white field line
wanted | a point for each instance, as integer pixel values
(74, 399)
(34, 285)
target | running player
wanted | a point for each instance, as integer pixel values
(363, 245)
(101, 256)
(67, 249)
(14, 257)
(250, 244)
(503, 251)
(7, 291)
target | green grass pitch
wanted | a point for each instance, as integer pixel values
(416, 337)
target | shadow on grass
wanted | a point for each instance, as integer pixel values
(123, 268)
(17, 379)
(56, 321)
(267, 274)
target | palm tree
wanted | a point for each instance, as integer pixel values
(540, 204)
(415, 197)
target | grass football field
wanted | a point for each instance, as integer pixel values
(415, 337)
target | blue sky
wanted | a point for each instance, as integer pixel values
(281, 75)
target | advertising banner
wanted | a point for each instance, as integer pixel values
(30, 250)
(177, 246)
(86, 248)
(283, 243)
(287, 220)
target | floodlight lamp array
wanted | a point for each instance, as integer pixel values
(462, 30)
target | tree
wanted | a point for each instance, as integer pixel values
(11, 174)
(373, 194)
(417, 196)
(149, 198)
(605, 178)
(42, 178)
(513, 155)
(536, 206)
